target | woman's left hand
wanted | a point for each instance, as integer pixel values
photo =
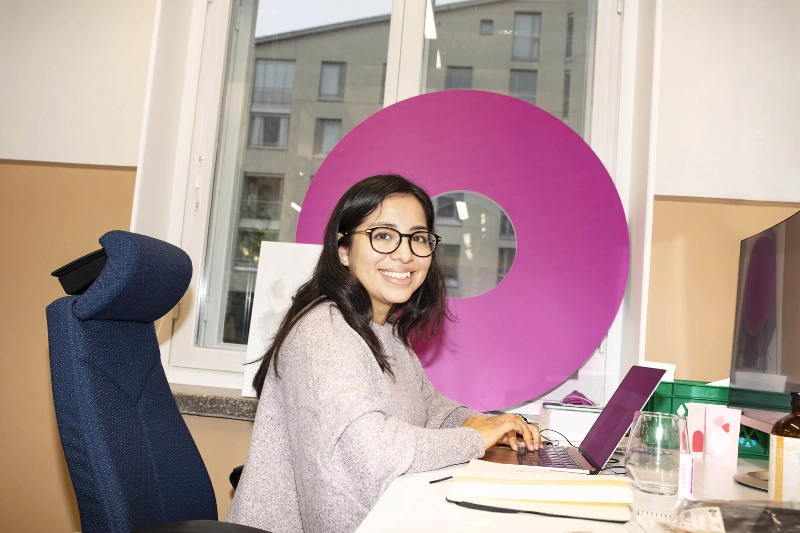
(512, 439)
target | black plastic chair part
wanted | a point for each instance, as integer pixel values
(198, 526)
(132, 461)
(77, 276)
(235, 475)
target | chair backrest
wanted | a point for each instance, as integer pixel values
(132, 460)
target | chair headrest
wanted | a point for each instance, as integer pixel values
(142, 280)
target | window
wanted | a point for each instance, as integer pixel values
(268, 130)
(269, 97)
(565, 105)
(487, 27)
(383, 84)
(570, 29)
(505, 258)
(451, 254)
(525, 46)
(522, 84)
(273, 82)
(446, 209)
(270, 107)
(327, 134)
(331, 81)
(506, 228)
(458, 78)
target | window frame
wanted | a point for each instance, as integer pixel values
(537, 40)
(341, 81)
(177, 209)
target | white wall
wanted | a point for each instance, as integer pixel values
(73, 79)
(729, 104)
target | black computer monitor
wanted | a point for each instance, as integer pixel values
(766, 339)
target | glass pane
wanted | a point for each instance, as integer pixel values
(288, 101)
(478, 242)
(538, 51)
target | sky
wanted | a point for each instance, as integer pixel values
(280, 16)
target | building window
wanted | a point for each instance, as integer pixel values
(505, 258)
(446, 210)
(269, 130)
(487, 27)
(458, 78)
(570, 30)
(258, 220)
(328, 132)
(331, 82)
(383, 83)
(451, 254)
(273, 83)
(565, 105)
(271, 104)
(506, 228)
(525, 45)
(522, 85)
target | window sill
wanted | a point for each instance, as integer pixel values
(213, 402)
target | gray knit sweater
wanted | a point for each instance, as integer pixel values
(333, 432)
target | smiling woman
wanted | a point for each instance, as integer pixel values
(345, 406)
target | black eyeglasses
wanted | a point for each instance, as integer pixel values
(387, 240)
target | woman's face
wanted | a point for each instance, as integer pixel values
(389, 278)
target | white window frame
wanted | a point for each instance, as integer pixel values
(177, 150)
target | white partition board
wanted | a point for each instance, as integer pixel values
(282, 268)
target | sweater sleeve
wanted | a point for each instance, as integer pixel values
(443, 412)
(360, 446)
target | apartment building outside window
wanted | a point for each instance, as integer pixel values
(565, 105)
(487, 27)
(270, 108)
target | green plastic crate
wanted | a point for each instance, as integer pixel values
(672, 398)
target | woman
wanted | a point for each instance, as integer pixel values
(345, 406)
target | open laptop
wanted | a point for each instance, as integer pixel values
(604, 436)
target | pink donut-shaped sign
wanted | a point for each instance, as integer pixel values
(548, 315)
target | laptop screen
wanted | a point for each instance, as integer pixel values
(617, 415)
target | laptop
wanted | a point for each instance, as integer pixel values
(604, 436)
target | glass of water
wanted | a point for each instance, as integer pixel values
(653, 456)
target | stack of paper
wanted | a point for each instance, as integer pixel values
(510, 487)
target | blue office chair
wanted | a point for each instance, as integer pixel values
(131, 458)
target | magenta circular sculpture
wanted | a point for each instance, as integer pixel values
(551, 311)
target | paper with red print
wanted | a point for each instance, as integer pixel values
(696, 425)
(722, 435)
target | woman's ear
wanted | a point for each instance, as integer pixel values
(344, 257)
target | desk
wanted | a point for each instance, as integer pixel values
(411, 503)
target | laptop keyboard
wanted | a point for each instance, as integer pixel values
(549, 456)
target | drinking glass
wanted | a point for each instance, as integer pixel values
(653, 456)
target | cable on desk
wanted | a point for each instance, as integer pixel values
(554, 431)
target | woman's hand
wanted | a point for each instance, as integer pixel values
(504, 429)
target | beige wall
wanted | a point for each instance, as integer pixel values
(693, 276)
(49, 215)
(223, 444)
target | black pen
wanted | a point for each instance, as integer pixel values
(443, 479)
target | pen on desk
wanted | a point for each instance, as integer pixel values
(443, 479)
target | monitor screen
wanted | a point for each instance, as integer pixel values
(766, 338)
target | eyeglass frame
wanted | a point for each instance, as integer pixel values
(369, 231)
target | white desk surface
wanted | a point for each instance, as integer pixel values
(411, 503)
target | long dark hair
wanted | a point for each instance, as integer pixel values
(419, 317)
